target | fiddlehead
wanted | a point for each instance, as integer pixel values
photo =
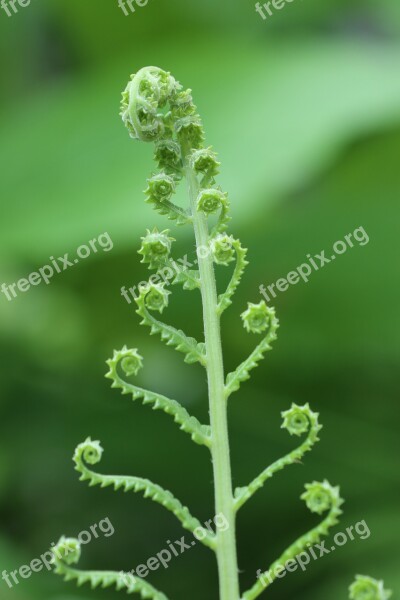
(297, 421)
(367, 588)
(193, 350)
(168, 156)
(223, 248)
(204, 162)
(68, 552)
(209, 201)
(319, 498)
(155, 248)
(90, 452)
(256, 319)
(160, 189)
(143, 99)
(131, 362)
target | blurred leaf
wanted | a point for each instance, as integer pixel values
(291, 107)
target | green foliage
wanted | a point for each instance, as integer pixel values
(156, 109)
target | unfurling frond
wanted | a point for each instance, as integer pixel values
(130, 358)
(367, 588)
(257, 320)
(68, 551)
(193, 350)
(93, 450)
(319, 497)
(297, 420)
(225, 299)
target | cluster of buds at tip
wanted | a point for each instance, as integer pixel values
(367, 588)
(156, 296)
(156, 247)
(257, 317)
(147, 92)
(297, 419)
(211, 200)
(321, 496)
(204, 161)
(222, 249)
(160, 188)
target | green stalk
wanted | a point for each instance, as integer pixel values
(226, 540)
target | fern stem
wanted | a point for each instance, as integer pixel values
(224, 503)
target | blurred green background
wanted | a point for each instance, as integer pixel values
(304, 110)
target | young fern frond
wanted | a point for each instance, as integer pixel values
(297, 420)
(160, 189)
(155, 108)
(367, 588)
(68, 551)
(210, 201)
(225, 299)
(256, 319)
(193, 350)
(90, 452)
(319, 497)
(204, 162)
(130, 364)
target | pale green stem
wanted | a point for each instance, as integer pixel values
(226, 540)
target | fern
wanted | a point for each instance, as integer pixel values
(155, 108)
(91, 452)
(131, 362)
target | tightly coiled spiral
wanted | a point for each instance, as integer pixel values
(67, 550)
(161, 187)
(156, 297)
(322, 496)
(211, 200)
(298, 420)
(156, 247)
(367, 588)
(257, 317)
(143, 105)
(222, 248)
(205, 161)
